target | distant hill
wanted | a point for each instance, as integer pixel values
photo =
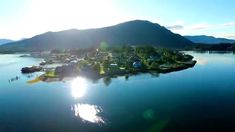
(4, 41)
(208, 39)
(136, 32)
(223, 47)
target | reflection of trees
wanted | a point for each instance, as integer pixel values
(127, 77)
(107, 81)
(94, 80)
(155, 74)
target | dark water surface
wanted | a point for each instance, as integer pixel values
(197, 99)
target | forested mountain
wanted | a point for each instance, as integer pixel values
(136, 32)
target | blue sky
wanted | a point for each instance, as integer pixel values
(26, 18)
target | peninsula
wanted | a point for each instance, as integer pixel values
(110, 61)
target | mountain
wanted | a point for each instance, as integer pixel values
(4, 41)
(136, 32)
(208, 39)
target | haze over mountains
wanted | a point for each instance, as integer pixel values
(4, 41)
(208, 39)
(136, 32)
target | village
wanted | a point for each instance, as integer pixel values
(109, 61)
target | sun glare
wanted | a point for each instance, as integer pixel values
(40, 16)
(78, 87)
(66, 14)
(88, 112)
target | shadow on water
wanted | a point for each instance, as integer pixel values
(106, 80)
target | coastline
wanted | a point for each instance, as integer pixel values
(109, 62)
(96, 76)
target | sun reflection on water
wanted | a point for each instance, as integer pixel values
(88, 113)
(202, 61)
(78, 87)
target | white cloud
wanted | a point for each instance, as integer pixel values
(226, 35)
(175, 27)
(229, 24)
(185, 29)
(201, 28)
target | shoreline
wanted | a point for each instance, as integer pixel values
(95, 76)
(109, 62)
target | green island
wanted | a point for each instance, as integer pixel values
(108, 61)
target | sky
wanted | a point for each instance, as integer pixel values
(27, 18)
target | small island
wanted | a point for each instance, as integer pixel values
(107, 61)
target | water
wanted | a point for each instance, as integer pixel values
(197, 99)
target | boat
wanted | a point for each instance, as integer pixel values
(31, 69)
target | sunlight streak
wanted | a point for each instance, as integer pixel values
(201, 61)
(78, 87)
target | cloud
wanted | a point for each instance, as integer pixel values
(228, 24)
(199, 26)
(175, 27)
(227, 35)
(231, 36)
(185, 29)
(179, 26)
(202, 28)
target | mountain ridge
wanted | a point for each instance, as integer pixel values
(208, 39)
(5, 41)
(136, 32)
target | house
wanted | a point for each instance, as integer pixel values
(113, 65)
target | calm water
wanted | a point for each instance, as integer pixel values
(197, 99)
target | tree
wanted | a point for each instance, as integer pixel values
(103, 46)
(106, 64)
(145, 51)
(96, 67)
(154, 65)
(56, 51)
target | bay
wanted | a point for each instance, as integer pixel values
(201, 98)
